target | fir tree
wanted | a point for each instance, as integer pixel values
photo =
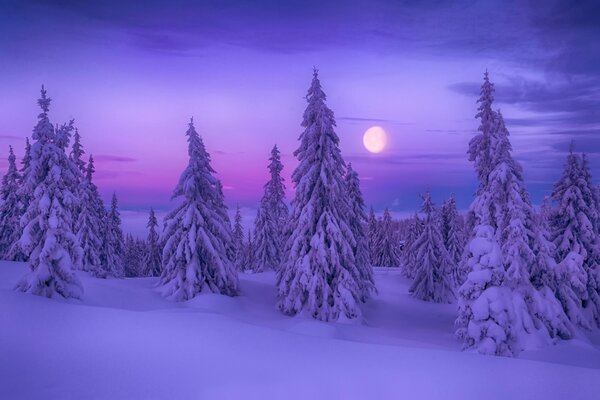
(153, 257)
(249, 263)
(358, 225)
(271, 218)
(113, 242)
(197, 234)
(500, 310)
(409, 255)
(453, 238)
(372, 232)
(77, 152)
(89, 223)
(238, 239)
(10, 209)
(575, 236)
(433, 280)
(266, 239)
(386, 253)
(319, 276)
(47, 236)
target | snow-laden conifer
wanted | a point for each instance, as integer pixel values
(372, 232)
(153, 256)
(433, 280)
(319, 276)
(113, 241)
(77, 152)
(409, 254)
(47, 237)
(238, 239)
(271, 218)
(10, 209)
(90, 223)
(453, 237)
(197, 235)
(520, 313)
(575, 236)
(358, 225)
(386, 251)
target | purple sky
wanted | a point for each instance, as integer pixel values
(132, 75)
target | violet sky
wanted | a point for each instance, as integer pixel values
(132, 74)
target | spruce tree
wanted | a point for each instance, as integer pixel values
(47, 236)
(386, 253)
(271, 218)
(197, 234)
(433, 280)
(574, 224)
(89, 223)
(153, 257)
(500, 310)
(358, 225)
(77, 152)
(113, 242)
(267, 243)
(372, 232)
(319, 276)
(409, 255)
(10, 209)
(453, 237)
(238, 239)
(249, 263)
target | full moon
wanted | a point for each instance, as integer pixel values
(375, 139)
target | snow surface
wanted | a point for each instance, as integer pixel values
(124, 341)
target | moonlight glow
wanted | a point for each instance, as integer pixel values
(375, 139)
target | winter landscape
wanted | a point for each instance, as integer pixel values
(190, 210)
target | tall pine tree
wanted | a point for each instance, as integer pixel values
(500, 311)
(574, 224)
(238, 239)
(453, 237)
(433, 280)
(89, 223)
(319, 276)
(386, 252)
(153, 257)
(197, 235)
(10, 209)
(48, 238)
(358, 225)
(113, 242)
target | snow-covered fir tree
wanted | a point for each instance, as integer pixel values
(409, 254)
(249, 257)
(90, 223)
(112, 255)
(134, 257)
(453, 237)
(574, 224)
(500, 311)
(238, 239)
(271, 218)
(372, 232)
(433, 280)
(47, 237)
(386, 251)
(77, 152)
(153, 257)
(319, 276)
(267, 244)
(10, 209)
(197, 235)
(358, 224)
(275, 192)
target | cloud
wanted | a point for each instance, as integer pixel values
(11, 137)
(112, 158)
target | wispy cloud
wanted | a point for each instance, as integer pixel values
(112, 158)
